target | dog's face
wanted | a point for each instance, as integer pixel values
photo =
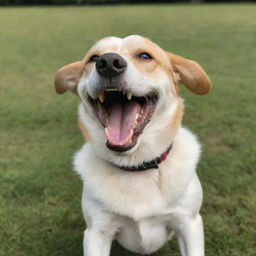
(127, 83)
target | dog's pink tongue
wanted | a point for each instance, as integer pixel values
(122, 120)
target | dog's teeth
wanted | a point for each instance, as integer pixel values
(101, 96)
(129, 95)
(111, 89)
(123, 92)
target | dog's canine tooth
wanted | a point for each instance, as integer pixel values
(129, 95)
(101, 96)
(124, 93)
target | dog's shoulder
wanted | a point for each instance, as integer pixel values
(186, 147)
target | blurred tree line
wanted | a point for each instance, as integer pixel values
(72, 2)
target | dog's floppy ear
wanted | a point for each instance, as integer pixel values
(67, 77)
(190, 74)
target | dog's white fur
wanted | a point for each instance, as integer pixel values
(139, 209)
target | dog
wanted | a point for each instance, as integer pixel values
(138, 165)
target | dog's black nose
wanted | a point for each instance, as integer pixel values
(110, 65)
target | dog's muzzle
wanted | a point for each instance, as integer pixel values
(122, 114)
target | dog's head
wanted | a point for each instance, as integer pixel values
(130, 85)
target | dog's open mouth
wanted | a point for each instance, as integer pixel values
(123, 115)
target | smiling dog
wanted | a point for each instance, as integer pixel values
(139, 165)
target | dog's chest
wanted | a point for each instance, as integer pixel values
(144, 236)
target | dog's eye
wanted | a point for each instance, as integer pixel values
(145, 56)
(94, 58)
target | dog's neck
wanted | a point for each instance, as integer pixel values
(144, 166)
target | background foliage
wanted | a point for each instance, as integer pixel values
(79, 2)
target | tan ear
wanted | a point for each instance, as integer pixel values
(190, 74)
(67, 78)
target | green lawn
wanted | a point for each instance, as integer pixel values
(40, 211)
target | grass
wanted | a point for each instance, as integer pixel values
(40, 211)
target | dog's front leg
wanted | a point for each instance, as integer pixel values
(191, 236)
(96, 243)
(102, 227)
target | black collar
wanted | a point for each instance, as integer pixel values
(153, 164)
